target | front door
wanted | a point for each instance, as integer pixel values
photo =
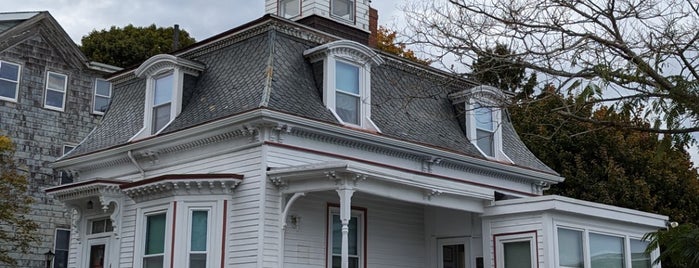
(453, 252)
(97, 253)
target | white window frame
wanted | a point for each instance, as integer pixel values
(140, 240)
(501, 240)
(282, 9)
(185, 206)
(19, 77)
(151, 98)
(586, 230)
(361, 228)
(95, 96)
(209, 238)
(96, 241)
(65, 92)
(472, 129)
(352, 12)
(55, 241)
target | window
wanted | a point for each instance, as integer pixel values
(346, 72)
(198, 233)
(570, 248)
(101, 226)
(103, 93)
(55, 96)
(603, 250)
(162, 102)
(66, 177)
(606, 251)
(516, 250)
(639, 258)
(347, 96)
(485, 129)
(154, 249)
(289, 8)
(453, 252)
(9, 80)
(60, 248)
(355, 239)
(343, 9)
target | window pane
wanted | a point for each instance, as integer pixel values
(101, 104)
(197, 260)
(570, 253)
(62, 239)
(517, 254)
(155, 234)
(199, 226)
(606, 251)
(8, 89)
(639, 259)
(347, 108)
(453, 256)
(484, 117)
(153, 262)
(290, 8)
(353, 262)
(352, 236)
(163, 90)
(57, 82)
(161, 116)
(343, 9)
(61, 247)
(347, 77)
(54, 98)
(97, 256)
(9, 71)
(98, 226)
(60, 260)
(102, 88)
(484, 139)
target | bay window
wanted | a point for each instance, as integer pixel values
(154, 248)
(582, 248)
(198, 233)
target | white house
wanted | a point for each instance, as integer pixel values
(279, 144)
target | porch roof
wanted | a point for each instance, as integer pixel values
(381, 181)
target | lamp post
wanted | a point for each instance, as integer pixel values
(49, 257)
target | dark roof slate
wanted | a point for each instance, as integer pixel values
(269, 70)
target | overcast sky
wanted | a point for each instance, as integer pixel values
(201, 18)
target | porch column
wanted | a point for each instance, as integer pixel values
(345, 191)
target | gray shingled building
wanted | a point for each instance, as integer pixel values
(51, 97)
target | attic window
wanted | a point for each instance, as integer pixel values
(347, 80)
(481, 118)
(165, 76)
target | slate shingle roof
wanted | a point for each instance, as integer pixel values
(269, 70)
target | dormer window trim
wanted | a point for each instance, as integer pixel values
(476, 102)
(153, 70)
(349, 55)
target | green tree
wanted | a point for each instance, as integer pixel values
(386, 41)
(128, 46)
(678, 246)
(16, 231)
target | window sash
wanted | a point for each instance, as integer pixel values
(9, 80)
(606, 251)
(61, 248)
(570, 248)
(55, 90)
(161, 116)
(198, 232)
(290, 8)
(154, 235)
(355, 239)
(102, 96)
(517, 254)
(343, 9)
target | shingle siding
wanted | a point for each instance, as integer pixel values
(40, 133)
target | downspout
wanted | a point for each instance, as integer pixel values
(135, 163)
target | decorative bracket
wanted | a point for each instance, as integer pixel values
(153, 156)
(281, 129)
(279, 182)
(428, 162)
(75, 218)
(432, 193)
(540, 187)
(253, 132)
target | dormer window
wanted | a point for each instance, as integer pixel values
(343, 9)
(481, 119)
(485, 129)
(346, 80)
(289, 8)
(165, 77)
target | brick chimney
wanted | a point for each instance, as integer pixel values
(373, 26)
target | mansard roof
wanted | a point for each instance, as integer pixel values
(261, 65)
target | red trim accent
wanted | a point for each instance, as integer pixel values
(181, 177)
(83, 183)
(395, 167)
(223, 235)
(174, 224)
(327, 230)
(536, 245)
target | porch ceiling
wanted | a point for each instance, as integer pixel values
(381, 181)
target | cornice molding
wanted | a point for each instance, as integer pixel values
(155, 64)
(344, 48)
(172, 185)
(81, 190)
